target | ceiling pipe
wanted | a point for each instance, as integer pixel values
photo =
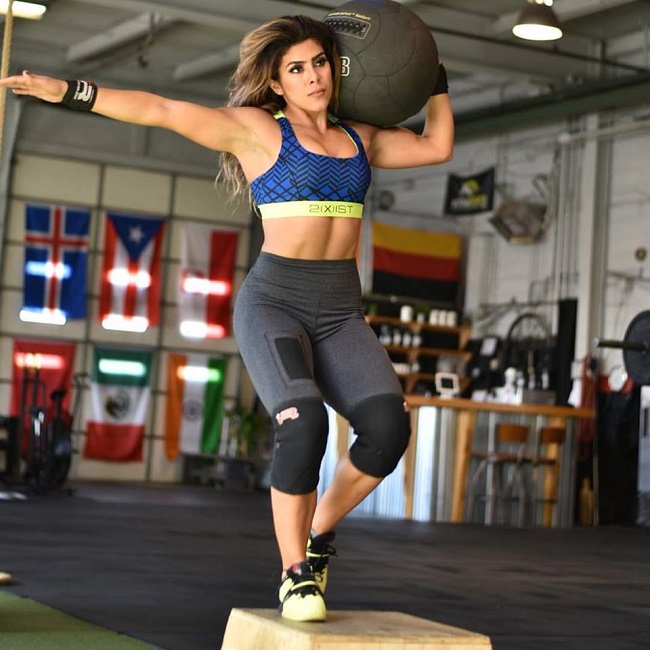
(553, 107)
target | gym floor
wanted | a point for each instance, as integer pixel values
(165, 564)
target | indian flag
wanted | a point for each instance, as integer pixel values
(195, 390)
(119, 395)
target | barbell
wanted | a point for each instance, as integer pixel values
(635, 346)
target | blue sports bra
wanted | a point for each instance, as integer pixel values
(304, 183)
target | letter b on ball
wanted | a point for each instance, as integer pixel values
(389, 61)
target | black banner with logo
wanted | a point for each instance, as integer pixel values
(470, 194)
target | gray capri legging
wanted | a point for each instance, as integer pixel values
(301, 332)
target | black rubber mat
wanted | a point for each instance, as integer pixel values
(165, 564)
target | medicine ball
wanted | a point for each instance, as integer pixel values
(389, 61)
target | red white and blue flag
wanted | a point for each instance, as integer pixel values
(130, 290)
(56, 251)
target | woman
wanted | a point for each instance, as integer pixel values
(298, 319)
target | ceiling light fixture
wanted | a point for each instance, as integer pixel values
(20, 9)
(538, 22)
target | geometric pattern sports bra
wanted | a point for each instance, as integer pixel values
(301, 182)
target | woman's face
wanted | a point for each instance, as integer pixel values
(305, 77)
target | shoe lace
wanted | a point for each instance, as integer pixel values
(319, 558)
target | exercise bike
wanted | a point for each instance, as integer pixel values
(50, 444)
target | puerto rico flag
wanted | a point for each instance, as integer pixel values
(206, 280)
(56, 251)
(130, 289)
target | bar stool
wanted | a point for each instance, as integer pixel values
(511, 442)
(546, 458)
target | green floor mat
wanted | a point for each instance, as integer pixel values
(28, 625)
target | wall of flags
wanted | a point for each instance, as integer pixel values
(117, 284)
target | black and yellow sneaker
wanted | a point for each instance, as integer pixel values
(300, 597)
(319, 549)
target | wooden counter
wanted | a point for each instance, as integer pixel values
(466, 411)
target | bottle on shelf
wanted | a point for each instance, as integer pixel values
(384, 335)
(423, 347)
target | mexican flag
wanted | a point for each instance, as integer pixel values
(195, 390)
(119, 395)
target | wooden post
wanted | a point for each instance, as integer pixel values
(464, 434)
(551, 478)
(342, 436)
(409, 464)
(4, 63)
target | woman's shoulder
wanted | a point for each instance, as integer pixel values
(257, 121)
(365, 131)
(362, 128)
(254, 113)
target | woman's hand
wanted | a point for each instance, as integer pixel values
(46, 88)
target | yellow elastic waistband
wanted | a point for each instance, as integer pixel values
(311, 209)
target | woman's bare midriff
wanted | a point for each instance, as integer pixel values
(312, 238)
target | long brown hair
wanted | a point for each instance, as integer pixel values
(260, 55)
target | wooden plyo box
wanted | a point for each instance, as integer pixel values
(264, 629)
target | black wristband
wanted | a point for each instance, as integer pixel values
(80, 95)
(441, 86)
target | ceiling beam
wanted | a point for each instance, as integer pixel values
(228, 57)
(110, 39)
(234, 15)
(218, 61)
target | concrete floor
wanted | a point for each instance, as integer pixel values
(166, 564)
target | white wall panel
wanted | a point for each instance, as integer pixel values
(44, 179)
(203, 200)
(136, 190)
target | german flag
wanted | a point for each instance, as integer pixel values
(415, 263)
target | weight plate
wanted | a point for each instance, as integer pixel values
(637, 363)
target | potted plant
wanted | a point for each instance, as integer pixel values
(245, 449)
(246, 430)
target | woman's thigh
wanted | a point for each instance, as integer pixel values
(276, 350)
(351, 366)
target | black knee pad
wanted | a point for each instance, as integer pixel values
(300, 440)
(383, 428)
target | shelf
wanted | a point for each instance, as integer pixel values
(463, 332)
(425, 376)
(412, 378)
(414, 326)
(412, 352)
(455, 338)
